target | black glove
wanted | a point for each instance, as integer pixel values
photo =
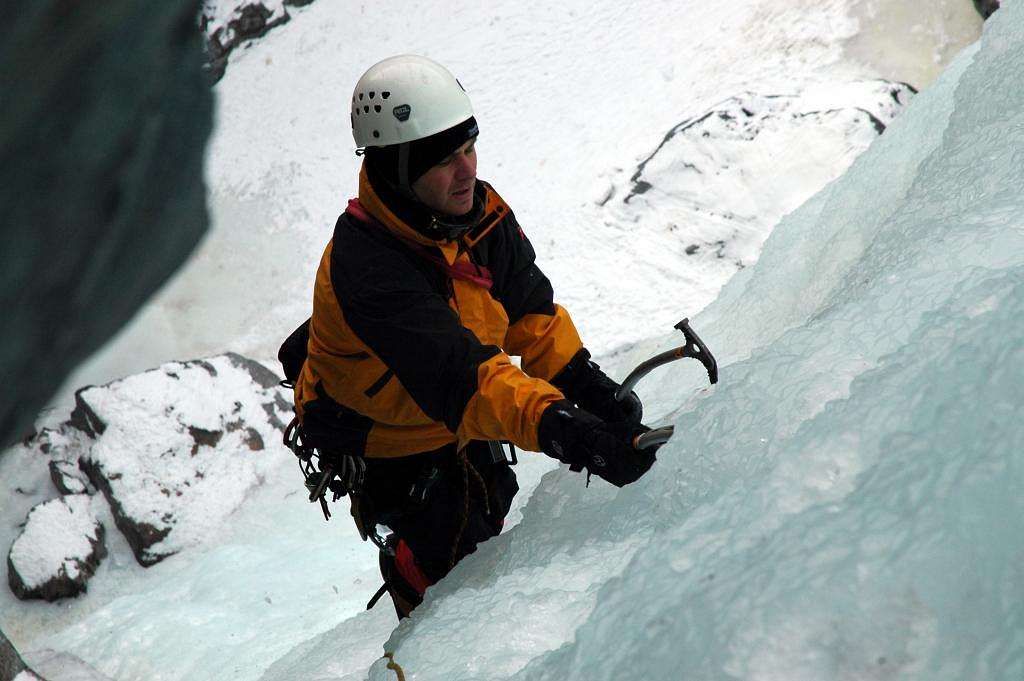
(583, 382)
(582, 440)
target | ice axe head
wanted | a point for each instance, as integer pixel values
(696, 349)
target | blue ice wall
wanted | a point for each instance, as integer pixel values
(847, 503)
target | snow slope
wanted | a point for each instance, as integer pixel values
(568, 96)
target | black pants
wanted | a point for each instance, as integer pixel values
(440, 506)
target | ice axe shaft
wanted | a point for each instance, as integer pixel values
(695, 349)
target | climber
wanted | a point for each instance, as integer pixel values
(427, 287)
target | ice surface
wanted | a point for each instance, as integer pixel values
(845, 504)
(54, 666)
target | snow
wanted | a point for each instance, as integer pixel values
(718, 183)
(931, 34)
(842, 505)
(56, 540)
(556, 122)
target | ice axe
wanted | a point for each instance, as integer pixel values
(693, 348)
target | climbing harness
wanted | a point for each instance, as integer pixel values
(340, 473)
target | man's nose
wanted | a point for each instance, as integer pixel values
(465, 167)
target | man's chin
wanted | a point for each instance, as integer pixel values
(459, 208)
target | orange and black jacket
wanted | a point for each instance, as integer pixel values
(404, 357)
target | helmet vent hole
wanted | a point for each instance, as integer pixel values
(372, 93)
(357, 111)
(366, 108)
(376, 133)
(360, 96)
(376, 107)
(385, 94)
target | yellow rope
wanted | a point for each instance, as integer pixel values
(394, 666)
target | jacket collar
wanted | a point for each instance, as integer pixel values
(372, 202)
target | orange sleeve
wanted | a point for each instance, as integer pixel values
(545, 342)
(507, 405)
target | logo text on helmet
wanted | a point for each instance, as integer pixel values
(402, 112)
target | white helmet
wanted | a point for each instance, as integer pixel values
(406, 98)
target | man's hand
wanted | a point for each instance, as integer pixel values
(582, 440)
(583, 382)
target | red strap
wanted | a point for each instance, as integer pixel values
(410, 571)
(463, 271)
(356, 210)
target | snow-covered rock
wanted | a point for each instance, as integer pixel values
(226, 24)
(59, 550)
(701, 204)
(176, 449)
(62, 446)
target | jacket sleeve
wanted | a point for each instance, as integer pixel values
(540, 332)
(472, 388)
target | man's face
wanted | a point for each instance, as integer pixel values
(448, 187)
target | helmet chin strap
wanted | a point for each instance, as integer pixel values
(403, 170)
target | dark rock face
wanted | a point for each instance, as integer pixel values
(986, 7)
(58, 551)
(102, 137)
